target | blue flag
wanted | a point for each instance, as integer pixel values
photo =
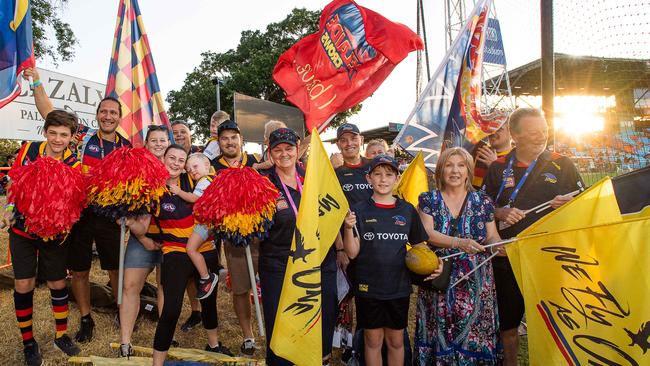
(447, 113)
(16, 46)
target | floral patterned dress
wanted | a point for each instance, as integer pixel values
(459, 326)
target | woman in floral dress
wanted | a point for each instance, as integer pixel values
(458, 326)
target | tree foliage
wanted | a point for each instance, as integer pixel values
(246, 69)
(46, 22)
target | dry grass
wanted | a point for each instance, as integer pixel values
(106, 332)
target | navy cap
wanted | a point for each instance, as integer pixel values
(345, 128)
(283, 136)
(383, 159)
(227, 125)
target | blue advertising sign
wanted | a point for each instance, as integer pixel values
(493, 50)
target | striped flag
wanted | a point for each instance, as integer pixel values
(16, 46)
(132, 76)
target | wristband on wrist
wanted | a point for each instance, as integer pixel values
(340, 250)
(37, 83)
(9, 207)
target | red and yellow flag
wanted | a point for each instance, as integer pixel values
(132, 76)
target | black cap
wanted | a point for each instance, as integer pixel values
(227, 125)
(345, 128)
(383, 159)
(283, 136)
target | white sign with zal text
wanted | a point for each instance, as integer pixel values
(20, 120)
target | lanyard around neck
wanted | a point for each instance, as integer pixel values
(289, 198)
(510, 174)
(101, 143)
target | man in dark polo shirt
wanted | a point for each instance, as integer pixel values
(526, 177)
(352, 176)
(232, 156)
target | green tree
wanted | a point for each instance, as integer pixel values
(46, 21)
(247, 69)
(7, 148)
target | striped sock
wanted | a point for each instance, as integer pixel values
(60, 310)
(24, 309)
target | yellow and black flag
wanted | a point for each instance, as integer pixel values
(582, 270)
(297, 334)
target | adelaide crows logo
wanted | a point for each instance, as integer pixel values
(344, 40)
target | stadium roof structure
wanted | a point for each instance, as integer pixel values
(588, 75)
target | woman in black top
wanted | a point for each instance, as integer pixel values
(288, 177)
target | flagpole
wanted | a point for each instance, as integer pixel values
(466, 276)
(120, 275)
(502, 242)
(256, 300)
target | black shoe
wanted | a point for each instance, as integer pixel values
(32, 354)
(248, 347)
(66, 345)
(206, 286)
(220, 348)
(192, 321)
(85, 333)
(126, 350)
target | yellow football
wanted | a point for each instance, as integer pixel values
(421, 260)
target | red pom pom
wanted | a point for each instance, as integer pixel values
(127, 182)
(49, 194)
(239, 203)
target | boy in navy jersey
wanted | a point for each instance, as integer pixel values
(382, 285)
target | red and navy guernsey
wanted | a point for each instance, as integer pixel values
(95, 148)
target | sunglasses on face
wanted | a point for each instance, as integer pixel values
(158, 128)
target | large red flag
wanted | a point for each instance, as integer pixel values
(344, 62)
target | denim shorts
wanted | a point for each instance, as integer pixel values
(137, 256)
(202, 231)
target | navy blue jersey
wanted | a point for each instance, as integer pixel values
(553, 175)
(379, 270)
(353, 181)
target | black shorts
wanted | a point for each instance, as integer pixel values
(30, 255)
(106, 235)
(509, 298)
(374, 314)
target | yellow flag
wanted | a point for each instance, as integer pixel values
(297, 334)
(582, 272)
(587, 295)
(597, 205)
(414, 181)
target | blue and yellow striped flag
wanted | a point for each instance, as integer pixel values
(132, 76)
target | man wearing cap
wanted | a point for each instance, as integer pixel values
(352, 176)
(232, 156)
(183, 136)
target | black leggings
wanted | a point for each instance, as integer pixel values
(177, 269)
